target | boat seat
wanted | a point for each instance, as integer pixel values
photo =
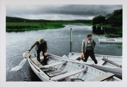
(55, 73)
(74, 79)
(103, 77)
(101, 62)
(59, 77)
(36, 62)
(54, 64)
(48, 69)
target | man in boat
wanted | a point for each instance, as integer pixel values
(88, 45)
(40, 45)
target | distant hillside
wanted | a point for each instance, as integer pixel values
(16, 19)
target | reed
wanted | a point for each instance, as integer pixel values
(18, 27)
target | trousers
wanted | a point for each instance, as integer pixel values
(91, 54)
(38, 56)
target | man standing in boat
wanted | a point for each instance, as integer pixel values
(88, 45)
(40, 45)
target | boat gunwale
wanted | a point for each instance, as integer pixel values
(65, 59)
(108, 56)
(38, 69)
(75, 61)
(98, 55)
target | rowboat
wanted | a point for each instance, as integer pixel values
(60, 69)
(110, 40)
(107, 63)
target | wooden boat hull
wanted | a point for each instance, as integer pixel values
(117, 71)
(105, 66)
(35, 69)
(69, 70)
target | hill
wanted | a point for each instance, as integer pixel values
(16, 19)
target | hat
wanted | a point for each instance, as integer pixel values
(41, 40)
(88, 35)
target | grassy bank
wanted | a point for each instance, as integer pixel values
(28, 26)
(21, 26)
(15, 24)
(119, 46)
(88, 24)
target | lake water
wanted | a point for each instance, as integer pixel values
(58, 41)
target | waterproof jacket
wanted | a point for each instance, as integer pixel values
(37, 45)
(84, 44)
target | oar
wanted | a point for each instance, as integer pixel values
(111, 62)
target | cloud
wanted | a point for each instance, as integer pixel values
(59, 12)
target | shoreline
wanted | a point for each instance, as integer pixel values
(29, 26)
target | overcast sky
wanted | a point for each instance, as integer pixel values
(59, 12)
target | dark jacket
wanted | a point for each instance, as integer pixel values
(37, 45)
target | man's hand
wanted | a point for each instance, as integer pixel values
(27, 51)
(45, 54)
(82, 54)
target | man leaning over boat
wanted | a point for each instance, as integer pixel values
(88, 45)
(40, 45)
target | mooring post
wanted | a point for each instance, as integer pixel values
(70, 39)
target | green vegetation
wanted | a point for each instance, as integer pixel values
(88, 24)
(119, 46)
(110, 24)
(14, 24)
(98, 19)
(17, 27)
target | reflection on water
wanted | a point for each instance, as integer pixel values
(58, 41)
